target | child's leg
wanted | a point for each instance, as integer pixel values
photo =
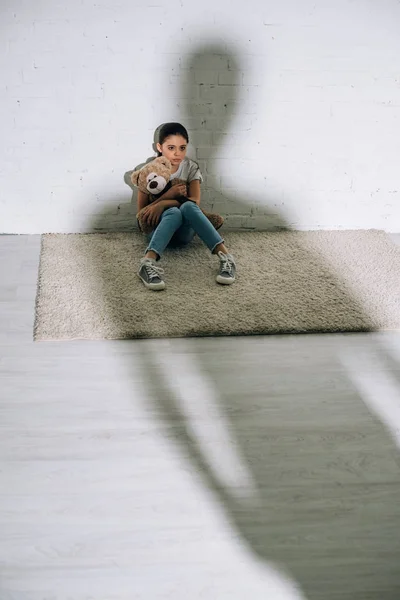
(193, 217)
(149, 272)
(183, 235)
(171, 220)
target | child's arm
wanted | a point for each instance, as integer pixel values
(152, 210)
(194, 191)
(142, 200)
(168, 199)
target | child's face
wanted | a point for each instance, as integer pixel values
(174, 148)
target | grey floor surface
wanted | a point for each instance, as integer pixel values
(259, 467)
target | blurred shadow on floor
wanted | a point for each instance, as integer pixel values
(318, 479)
(323, 502)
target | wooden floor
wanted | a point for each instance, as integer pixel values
(219, 468)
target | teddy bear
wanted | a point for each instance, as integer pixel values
(154, 179)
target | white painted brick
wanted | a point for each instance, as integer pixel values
(242, 181)
(202, 165)
(212, 181)
(222, 166)
(182, 76)
(196, 123)
(208, 92)
(201, 138)
(172, 91)
(253, 77)
(223, 204)
(222, 138)
(204, 153)
(206, 77)
(238, 222)
(126, 208)
(242, 123)
(230, 78)
(230, 153)
(31, 90)
(201, 108)
(212, 62)
(231, 93)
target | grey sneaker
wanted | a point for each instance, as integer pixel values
(150, 274)
(227, 269)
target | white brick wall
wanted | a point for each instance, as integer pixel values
(293, 109)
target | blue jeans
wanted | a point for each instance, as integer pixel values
(178, 226)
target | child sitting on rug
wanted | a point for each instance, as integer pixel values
(178, 222)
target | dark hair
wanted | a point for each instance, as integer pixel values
(168, 129)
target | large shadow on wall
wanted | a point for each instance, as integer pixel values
(215, 110)
(210, 106)
(324, 502)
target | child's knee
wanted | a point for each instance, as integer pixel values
(173, 212)
(188, 208)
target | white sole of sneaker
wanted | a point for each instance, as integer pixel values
(156, 287)
(225, 280)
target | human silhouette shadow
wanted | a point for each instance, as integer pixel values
(327, 479)
(214, 110)
(325, 471)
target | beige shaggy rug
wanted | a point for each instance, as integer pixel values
(287, 282)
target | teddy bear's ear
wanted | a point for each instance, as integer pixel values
(161, 160)
(135, 177)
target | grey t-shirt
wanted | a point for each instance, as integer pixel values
(188, 171)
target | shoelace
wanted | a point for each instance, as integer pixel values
(226, 263)
(153, 271)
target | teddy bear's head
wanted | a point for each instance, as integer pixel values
(153, 177)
